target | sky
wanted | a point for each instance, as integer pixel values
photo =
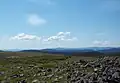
(26, 24)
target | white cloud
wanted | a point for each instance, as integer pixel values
(61, 36)
(101, 43)
(35, 20)
(23, 40)
(23, 36)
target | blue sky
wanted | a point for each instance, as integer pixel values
(59, 23)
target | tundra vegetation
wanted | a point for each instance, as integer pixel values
(29, 67)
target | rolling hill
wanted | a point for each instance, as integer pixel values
(69, 51)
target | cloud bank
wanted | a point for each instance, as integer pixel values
(101, 43)
(60, 36)
(23, 36)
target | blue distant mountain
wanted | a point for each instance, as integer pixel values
(77, 50)
(104, 50)
(111, 50)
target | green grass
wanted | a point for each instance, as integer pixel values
(23, 60)
(10, 61)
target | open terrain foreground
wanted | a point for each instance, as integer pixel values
(51, 68)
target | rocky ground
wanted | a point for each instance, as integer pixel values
(60, 69)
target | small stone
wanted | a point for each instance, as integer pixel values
(35, 81)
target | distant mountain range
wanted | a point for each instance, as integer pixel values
(69, 51)
(105, 50)
(1, 51)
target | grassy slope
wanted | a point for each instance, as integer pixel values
(25, 59)
(38, 59)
